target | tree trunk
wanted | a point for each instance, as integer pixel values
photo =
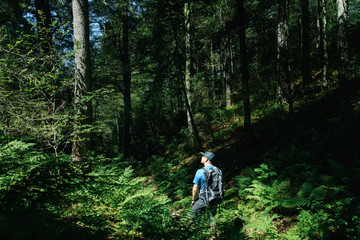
(187, 93)
(195, 136)
(82, 79)
(284, 90)
(305, 42)
(127, 82)
(342, 16)
(244, 64)
(322, 40)
(212, 93)
(187, 66)
(226, 68)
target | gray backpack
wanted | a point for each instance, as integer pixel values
(213, 192)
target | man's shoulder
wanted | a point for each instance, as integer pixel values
(212, 167)
(199, 176)
(207, 168)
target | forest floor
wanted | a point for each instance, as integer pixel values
(322, 133)
(320, 139)
(323, 118)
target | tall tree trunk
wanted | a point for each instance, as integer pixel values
(187, 66)
(284, 90)
(195, 134)
(305, 42)
(213, 71)
(226, 67)
(187, 93)
(82, 79)
(322, 40)
(342, 16)
(244, 64)
(43, 23)
(127, 82)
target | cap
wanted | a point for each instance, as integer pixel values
(209, 155)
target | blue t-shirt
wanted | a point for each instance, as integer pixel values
(199, 178)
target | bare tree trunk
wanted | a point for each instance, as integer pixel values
(284, 90)
(187, 93)
(127, 82)
(322, 40)
(187, 66)
(195, 133)
(305, 42)
(212, 94)
(244, 64)
(82, 79)
(342, 17)
(226, 68)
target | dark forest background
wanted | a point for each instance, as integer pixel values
(106, 105)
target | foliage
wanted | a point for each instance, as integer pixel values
(293, 177)
(269, 206)
(109, 200)
(29, 177)
(32, 93)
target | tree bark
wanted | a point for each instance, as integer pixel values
(322, 40)
(342, 17)
(244, 64)
(82, 84)
(187, 67)
(226, 67)
(305, 42)
(187, 93)
(284, 90)
(212, 94)
(127, 82)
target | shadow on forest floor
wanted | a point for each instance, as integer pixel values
(324, 127)
(30, 224)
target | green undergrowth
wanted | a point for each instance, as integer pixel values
(45, 197)
(296, 178)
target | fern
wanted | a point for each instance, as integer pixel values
(113, 198)
(269, 196)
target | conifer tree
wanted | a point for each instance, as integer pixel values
(82, 85)
(244, 63)
(126, 72)
(283, 75)
(342, 18)
(305, 42)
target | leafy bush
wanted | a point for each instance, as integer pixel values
(311, 225)
(29, 177)
(270, 210)
(33, 86)
(111, 202)
(110, 199)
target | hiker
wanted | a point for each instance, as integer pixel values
(206, 200)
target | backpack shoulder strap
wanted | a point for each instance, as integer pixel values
(218, 170)
(214, 168)
(206, 170)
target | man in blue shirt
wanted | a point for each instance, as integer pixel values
(199, 182)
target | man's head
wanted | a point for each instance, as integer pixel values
(209, 155)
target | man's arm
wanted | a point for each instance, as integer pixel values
(194, 194)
